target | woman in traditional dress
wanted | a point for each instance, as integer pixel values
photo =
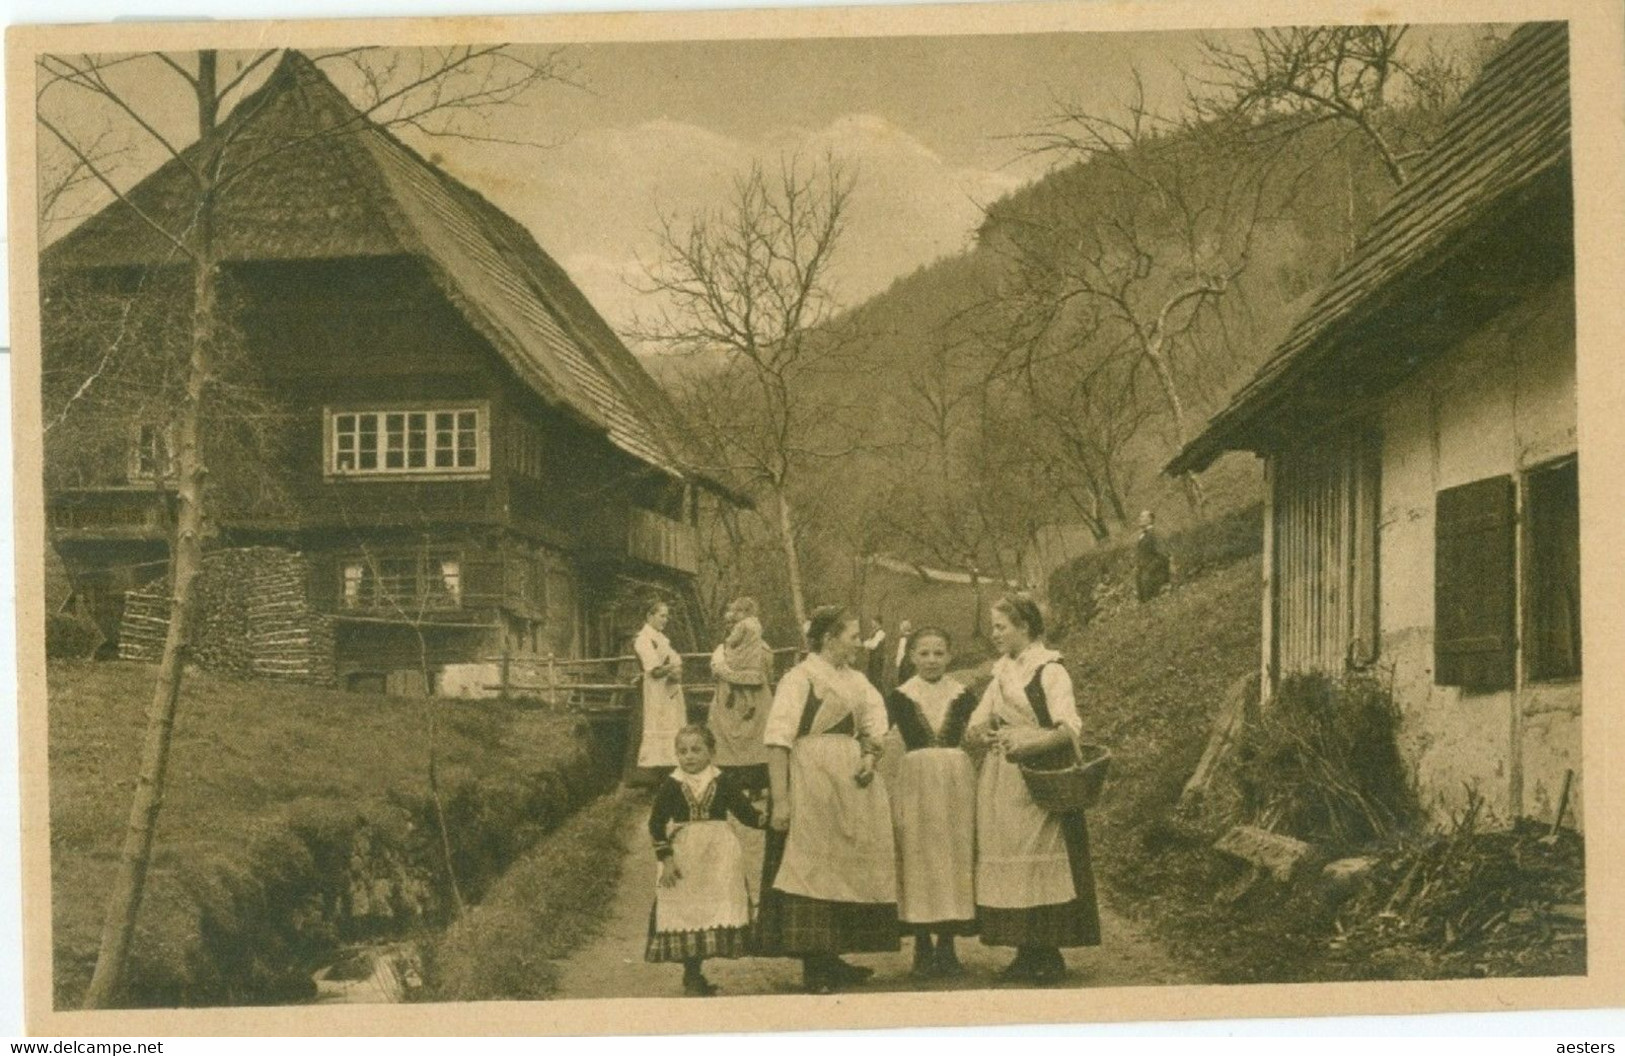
(830, 872)
(1035, 887)
(934, 806)
(664, 712)
(743, 668)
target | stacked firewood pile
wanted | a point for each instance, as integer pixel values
(144, 625)
(253, 619)
(1474, 902)
(287, 639)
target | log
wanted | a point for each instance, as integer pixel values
(1276, 854)
(1227, 727)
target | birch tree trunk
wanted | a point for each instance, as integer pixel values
(186, 561)
(792, 560)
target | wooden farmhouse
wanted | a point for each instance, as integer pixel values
(1418, 433)
(469, 464)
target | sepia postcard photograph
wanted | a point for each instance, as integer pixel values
(718, 521)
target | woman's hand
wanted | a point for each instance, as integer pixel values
(979, 737)
(866, 772)
(780, 817)
(669, 873)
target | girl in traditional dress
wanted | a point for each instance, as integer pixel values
(1035, 887)
(664, 712)
(934, 806)
(743, 667)
(830, 872)
(702, 907)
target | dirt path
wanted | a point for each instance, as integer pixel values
(612, 964)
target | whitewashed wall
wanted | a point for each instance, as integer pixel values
(1500, 402)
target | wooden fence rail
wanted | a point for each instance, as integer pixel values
(601, 685)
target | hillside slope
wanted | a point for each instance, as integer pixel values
(1149, 680)
(246, 756)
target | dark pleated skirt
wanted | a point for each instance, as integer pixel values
(678, 946)
(1062, 924)
(797, 926)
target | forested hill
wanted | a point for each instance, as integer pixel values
(1008, 407)
(1073, 392)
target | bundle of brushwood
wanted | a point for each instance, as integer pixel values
(1472, 901)
(1321, 763)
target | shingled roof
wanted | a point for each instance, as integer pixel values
(329, 183)
(1508, 138)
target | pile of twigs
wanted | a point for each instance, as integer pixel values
(1474, 902)
(1321, 762)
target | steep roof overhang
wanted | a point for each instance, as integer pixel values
(1396, 330)
(1486, 215)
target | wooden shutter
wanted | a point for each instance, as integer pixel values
(1474, 588)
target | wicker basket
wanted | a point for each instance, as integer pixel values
(1072, 786)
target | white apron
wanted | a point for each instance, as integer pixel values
(711, 893)
(935, 804)
(840, 846)
(1021, 852)
(664, 712)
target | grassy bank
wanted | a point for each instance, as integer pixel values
(256, 770)
(543, 907)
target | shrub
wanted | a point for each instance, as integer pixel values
(1321, 761)
(70, 637)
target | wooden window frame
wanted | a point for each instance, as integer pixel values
(162, 439)
(1529, 522)
(370, 593)
(384, 430)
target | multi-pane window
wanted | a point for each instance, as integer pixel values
(449, 440)
(407, 583)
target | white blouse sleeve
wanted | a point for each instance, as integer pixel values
(784, 717)
(984, 708)
(648, 652)
(1063, 705)
(871, 719)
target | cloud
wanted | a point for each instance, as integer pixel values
(595, 202)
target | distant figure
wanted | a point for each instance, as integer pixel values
(1151, 565)
(901, 668)
(743, 667)
(874, 656)
(664, 712)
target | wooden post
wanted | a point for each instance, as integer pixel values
(1266, 671)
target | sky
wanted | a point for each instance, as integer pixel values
(929, 127)
(932, 128)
